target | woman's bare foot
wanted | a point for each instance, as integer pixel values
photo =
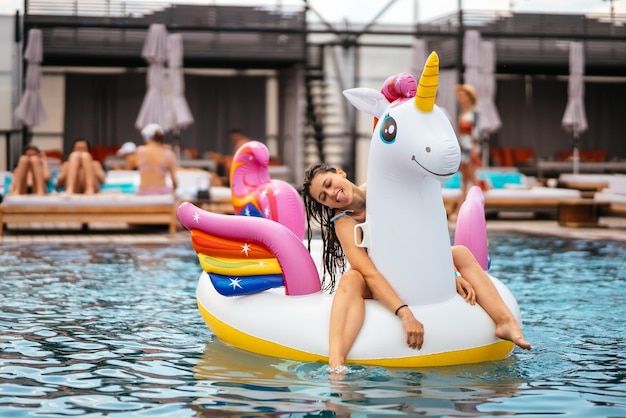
(512, 332)
(337, 372)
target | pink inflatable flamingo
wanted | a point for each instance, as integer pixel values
(254, 193)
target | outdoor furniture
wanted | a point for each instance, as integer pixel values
(580, 213)
(542, 168)
(200, 163)
(115, 203)
(84, 209)
(535, 200)
(511, 191)
(614, 195)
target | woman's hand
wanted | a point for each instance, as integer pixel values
(414, 328)
(465, 289)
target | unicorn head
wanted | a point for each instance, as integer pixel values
(412, 133)
(413, 149)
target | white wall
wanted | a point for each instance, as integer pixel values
(49, 135)
(9, 67)
(8, 52)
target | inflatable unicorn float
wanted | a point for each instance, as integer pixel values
(260, 289)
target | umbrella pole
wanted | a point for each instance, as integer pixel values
(575, 156)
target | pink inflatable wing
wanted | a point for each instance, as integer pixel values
(254, 193)
(299, 270)
(471, 226)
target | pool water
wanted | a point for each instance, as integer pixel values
(113, 330)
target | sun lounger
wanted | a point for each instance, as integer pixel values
(588, 184)
(614, 195)
(512, 192)
(535, 199)
(84, 209)
(115, 203)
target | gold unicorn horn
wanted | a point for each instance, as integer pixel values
(427, 88)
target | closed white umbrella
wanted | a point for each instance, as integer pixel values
(575, 119)
(489, 121)
(181, 114)
(154, 108)
(418, 57)
(471, 61)
(31, 111)
(471, 58)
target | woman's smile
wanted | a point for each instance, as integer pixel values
(340, 193)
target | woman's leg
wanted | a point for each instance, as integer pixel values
(464, 171)
(20, 175)
(346, 316)
(39, 184)
(73, 169)
(488, 296)
(471, 174)
(87, 176)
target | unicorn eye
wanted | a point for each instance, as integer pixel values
(388, 130)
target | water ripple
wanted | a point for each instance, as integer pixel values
(114, 330)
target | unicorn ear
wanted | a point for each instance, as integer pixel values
(368, 100)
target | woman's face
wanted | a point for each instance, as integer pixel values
(463, 98)
(81, 146)
(330, 189)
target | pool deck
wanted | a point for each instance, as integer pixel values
(612, 228)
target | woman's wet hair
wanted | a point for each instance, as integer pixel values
(334, 262)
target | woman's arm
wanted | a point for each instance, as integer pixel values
(172, 170)
(378, 285)
(465, 290)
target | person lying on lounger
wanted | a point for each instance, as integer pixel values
(81, 173)
(31, 173)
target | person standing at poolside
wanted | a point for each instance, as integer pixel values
(155, 160)
(337, 204)
(31, 173)
(467, 132)
(81, 173)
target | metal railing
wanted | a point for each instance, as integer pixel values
(127, 8)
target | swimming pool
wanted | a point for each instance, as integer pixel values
(109, 329)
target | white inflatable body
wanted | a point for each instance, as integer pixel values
(413, 150)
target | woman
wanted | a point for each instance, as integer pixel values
(154, 161)
(81, 173)
(31, 173)
(337, 204)
(467, 132)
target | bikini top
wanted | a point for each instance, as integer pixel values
(341, 215)
(143, 166)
